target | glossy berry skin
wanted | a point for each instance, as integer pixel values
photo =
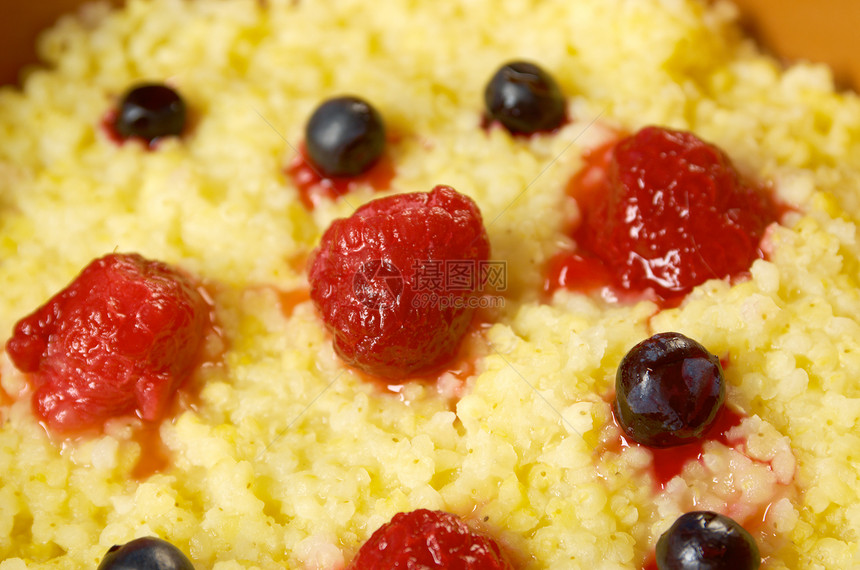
(668, 391)
(120, 339)
(524, 98)
(368, 280)
(429, 540)
(150, 111)
(345, 136)
(705, 540)
(675, 214)
(147, 553)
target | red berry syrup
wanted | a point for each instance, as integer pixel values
(314, 187)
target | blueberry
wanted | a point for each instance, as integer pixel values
(344, 136)
(668, 390)
(704, 540)
(524, 98)
(150, 111)
(147, 553)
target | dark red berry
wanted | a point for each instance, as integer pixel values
(524, 98)
(429, 540)
(119, 339)
(345, 136)
(705, 540)
(668, 390)
(378, 279)
(150, 111)
(675, 214)
(147, 553)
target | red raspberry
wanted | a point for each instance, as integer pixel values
(119, 339)
(429, 540)
(379, 280)
(676, 214)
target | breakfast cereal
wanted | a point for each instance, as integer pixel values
(275, 454)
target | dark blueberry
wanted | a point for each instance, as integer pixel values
(703, 540)
(344, 136)
(668, 390)
(524, 98)
(149, 111)
(147, 553)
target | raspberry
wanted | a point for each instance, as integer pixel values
(377, 280)
(120, 338)
(676, 214)
(429, 540)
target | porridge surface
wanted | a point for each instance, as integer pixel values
(278, 455)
